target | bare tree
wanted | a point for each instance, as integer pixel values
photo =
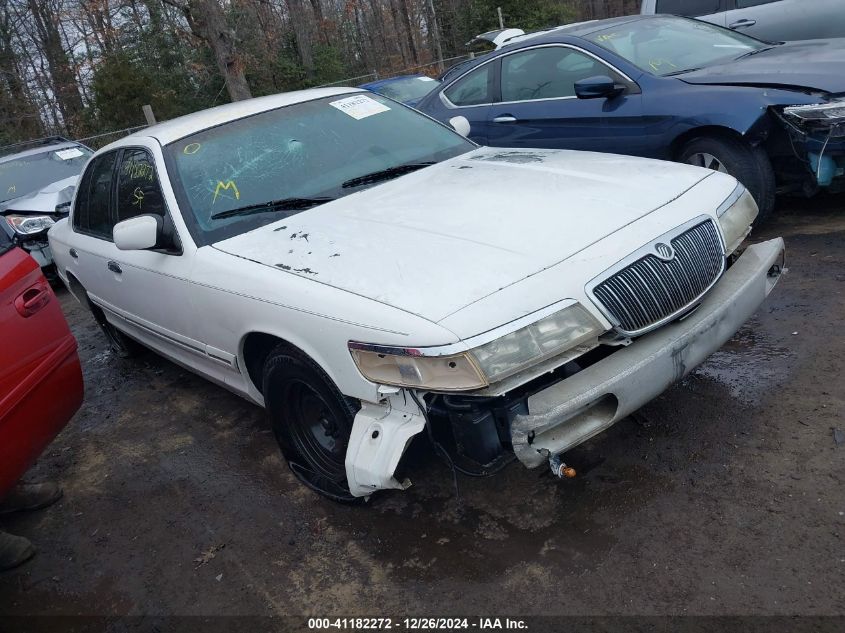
(208, 22)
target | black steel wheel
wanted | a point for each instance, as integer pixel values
(311, 419)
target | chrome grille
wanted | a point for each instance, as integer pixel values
(651, 290)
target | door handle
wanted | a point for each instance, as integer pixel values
(74, 253)
(742, 24)
(115, 267)
(32, 299)
(505, 118)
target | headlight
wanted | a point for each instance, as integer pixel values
(481, 365)
(736, 216)
(818, 112)
(545, 338)
(29, 224)
(407, 367)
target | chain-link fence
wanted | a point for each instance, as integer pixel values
(101, 140)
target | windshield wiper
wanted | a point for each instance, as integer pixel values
(385, 174)
(285, 204)
(754, 52)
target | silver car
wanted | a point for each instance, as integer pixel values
(37, 180)
(772, 20)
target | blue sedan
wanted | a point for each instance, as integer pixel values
(770, 114)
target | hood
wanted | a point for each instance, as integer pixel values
(45, 200)
(812, 64)
(434, 241)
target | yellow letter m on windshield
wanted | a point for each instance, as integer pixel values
(230, 184)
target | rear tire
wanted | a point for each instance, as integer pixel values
(311, 419)
(749, 165)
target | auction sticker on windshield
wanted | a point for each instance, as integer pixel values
(68, 154)
(359, 106)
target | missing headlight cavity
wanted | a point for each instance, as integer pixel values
(475, 430)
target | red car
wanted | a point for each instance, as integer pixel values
(40, 376)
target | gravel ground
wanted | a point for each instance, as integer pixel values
(723, 497)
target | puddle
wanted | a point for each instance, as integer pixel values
(749, 366)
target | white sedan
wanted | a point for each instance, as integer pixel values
(366, 273)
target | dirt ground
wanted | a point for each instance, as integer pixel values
(726, 496)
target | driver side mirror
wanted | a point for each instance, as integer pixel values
(139, 233)
(598, 87)
(461, 125)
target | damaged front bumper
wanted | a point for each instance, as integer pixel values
(575, 409)
(540, 422)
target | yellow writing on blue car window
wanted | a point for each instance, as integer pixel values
(191, 148)
(12, 189)
(230, 184)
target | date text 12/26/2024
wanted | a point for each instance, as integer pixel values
(418, 624)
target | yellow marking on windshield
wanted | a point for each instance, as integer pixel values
(12, 189)
(606, 36)
(191, 148)
(657, 64)
(230, 184)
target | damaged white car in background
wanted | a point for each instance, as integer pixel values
(365, 272)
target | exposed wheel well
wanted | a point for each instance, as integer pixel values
(78, 291)
(711, 131)
(257, 346)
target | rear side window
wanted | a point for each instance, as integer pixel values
(474, 89)
(91, 213)
(138, 191)
(689, 8)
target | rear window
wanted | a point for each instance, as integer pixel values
(689, 8)
(408, 89)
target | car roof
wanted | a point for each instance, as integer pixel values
(183, 126)
(562, 33)
(41, 149)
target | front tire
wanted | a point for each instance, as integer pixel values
(749, 165)
(311, 419)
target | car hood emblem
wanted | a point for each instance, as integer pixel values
(664, 251)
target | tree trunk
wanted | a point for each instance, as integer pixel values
(61, 71)
(406, 20)
(434, 34)
(208, 22)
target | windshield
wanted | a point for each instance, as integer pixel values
(408, 88)
(20, 175)
(313, 151)
(669, 45)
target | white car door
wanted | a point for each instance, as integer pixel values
(764, 19)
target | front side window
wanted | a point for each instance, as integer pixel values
(690, 8)
(668, 45)
(547, 73)
(474, 89)
(91, 213)
(245, 173)
(138, 190)
(28, 173)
